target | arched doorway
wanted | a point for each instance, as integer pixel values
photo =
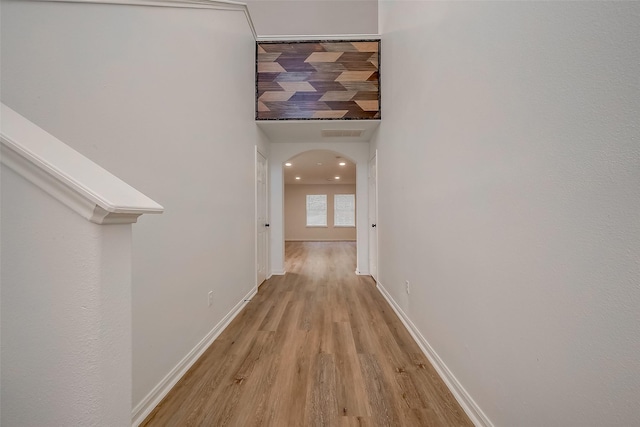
(356, 152)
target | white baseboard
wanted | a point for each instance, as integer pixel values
(362, 273)
(151, 400)
(278, 273)
(469, 406)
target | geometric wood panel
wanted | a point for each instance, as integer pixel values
(318, 80)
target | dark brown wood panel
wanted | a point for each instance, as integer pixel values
(289, 75)
(316, 347)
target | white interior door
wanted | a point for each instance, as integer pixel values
(373, 217)
(262, 219)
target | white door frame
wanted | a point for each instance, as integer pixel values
(259, 218)
(373, 199)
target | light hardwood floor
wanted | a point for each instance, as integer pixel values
(316, 347)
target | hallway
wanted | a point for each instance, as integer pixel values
(318, 346)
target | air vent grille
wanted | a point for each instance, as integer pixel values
(337, 133)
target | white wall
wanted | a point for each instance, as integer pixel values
(164, 99)
(357, 152)
(66, 313)
(314, 17)
(295, 213)
(509, 169)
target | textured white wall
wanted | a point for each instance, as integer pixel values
(164, 99)
(295, 212)
(509, 169)
(314, 17)
(66, 313)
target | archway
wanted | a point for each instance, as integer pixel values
(358, 153)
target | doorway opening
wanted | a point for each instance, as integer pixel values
(319, 198)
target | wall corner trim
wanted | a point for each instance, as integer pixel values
(67, 175)
(465, 400)
(151, 400)
(191, 4)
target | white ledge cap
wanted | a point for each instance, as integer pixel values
(67, 175)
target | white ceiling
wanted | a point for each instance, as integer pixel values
(312, 130)
(306, 166)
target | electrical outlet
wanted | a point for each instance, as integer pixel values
(407, 286)
(210, 300)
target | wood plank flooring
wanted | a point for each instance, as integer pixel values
(316, 347)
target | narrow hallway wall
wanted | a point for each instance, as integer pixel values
(509, 169)
(163, 98)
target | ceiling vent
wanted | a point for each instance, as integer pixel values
(337, 133)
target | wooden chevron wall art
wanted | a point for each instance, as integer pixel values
(318, 80)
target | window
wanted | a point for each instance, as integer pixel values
(316, 210)
(344, 210)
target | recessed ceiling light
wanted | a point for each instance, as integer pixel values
(288, 164)
(297, 177)
(342, 163)
(337, 177)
